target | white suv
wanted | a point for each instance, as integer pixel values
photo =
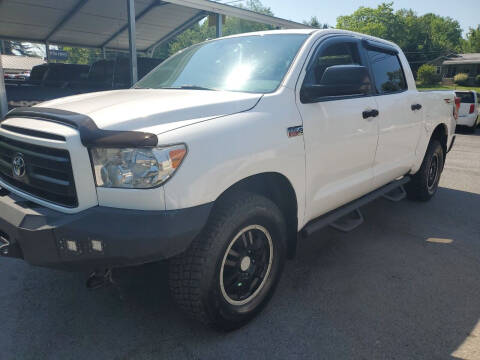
(469, 109)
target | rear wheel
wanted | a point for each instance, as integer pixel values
(424, 183)
(230, 271)
(474, 127)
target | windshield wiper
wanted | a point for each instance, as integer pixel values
(189, 87)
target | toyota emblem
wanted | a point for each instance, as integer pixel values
(18, 166)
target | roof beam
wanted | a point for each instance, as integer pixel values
(132, 41)
(66, 43)
(187, 24)
(138, 17)
(66, 18)
(229, 10)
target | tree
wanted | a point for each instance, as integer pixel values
(472, 43)
(427, 75)
(422, 38)
(10, 47)
(78, 55)
(202, 31)
(313, 22)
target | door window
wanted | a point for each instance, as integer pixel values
(336, 54)
(387, 72)
(336, 71)
(339, 53)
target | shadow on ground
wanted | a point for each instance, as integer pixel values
(464, 130)
(382, 291)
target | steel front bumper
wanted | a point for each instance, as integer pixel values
(99, 237)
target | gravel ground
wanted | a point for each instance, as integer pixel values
(402, 286)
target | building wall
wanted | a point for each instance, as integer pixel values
(450, 71)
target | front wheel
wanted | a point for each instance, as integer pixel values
(230, 271)
(424, 183)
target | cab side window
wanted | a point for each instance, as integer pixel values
(342, 53)
(336, 71)
(387, 71)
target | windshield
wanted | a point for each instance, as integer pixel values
(254, 64)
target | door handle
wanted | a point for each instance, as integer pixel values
(416, 107)
(370, 113)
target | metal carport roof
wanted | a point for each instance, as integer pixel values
(103, 23)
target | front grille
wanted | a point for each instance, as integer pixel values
(48, 171)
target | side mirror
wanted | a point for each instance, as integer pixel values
(338, 80)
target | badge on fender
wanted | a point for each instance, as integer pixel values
(295, 131)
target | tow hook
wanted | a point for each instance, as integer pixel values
(99, 279)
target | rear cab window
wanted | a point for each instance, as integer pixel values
(466, 97)
(387, 72)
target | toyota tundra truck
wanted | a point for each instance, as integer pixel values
(220, 160)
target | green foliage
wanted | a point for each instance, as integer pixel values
(194, 35)
(477, 79)
(78, 55)
(461, 79)
(472, 43)
(313, 22)
(202, 32)
(422, 38)
(11, 47)
(427, 75)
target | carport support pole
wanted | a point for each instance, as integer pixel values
(219, 25)
(132, 38)
(3, 92)
(47, 51)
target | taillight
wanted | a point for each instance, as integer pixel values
(472, 109)
(457, 107)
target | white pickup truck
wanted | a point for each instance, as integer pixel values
(219, 160)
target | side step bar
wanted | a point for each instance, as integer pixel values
(348, 222)
(396, 195)
(331, 217)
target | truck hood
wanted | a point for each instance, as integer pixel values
(154, 110)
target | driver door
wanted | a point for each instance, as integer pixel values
(340, 141)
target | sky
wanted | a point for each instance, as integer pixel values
(466, 12)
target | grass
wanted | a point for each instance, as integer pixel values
(447, 87)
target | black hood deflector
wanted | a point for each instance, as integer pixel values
(90, 134)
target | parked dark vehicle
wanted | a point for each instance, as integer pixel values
(100, 77)
(46, 82)
(61, 75)
(122, 70)
(37, 74)
(52, 81)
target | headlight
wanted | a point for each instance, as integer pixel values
(136, 168)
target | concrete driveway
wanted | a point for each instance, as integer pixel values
(402, 286)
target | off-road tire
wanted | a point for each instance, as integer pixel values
(194, 276)
(421, 187)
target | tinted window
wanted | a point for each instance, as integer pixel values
(466, 97)
(343, 53)
(387, 72)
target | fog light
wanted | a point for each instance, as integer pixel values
(97, 245)
(72, 245)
